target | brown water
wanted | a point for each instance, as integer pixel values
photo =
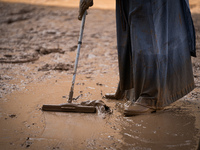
(156, 131)
(172, 128)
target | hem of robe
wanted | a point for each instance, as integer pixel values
(176, 96)
(160, 104)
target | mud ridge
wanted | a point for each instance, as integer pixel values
(59, 67)
(9, 58)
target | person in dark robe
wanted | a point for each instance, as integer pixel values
(155, 42)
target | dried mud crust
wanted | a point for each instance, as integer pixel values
(38, 48)
(13, 58)
(39, 38)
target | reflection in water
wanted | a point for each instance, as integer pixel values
(161, 130)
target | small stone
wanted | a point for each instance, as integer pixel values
(12, 116)
(27, 145)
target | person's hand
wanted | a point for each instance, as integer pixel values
(83, 6)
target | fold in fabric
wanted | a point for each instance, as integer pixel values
(154, 52)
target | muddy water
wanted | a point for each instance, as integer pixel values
(163, 130)
(156, 131)
(25, 125)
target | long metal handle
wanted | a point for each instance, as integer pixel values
(77, 57)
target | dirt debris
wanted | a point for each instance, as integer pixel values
(45, 51)
(12, 116)
(21, 58)
(59, 67)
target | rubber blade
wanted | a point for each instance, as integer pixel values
(68, 107)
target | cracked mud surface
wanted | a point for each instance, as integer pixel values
(37, 52)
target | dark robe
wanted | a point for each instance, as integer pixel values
(155, 40)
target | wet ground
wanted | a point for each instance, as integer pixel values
(37, 52)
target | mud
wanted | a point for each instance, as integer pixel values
(59, 67)
(50, 34)
(19, 58)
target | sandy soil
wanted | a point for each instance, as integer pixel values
(100, 4)
(38, 42)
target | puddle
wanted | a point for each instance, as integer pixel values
(162, 130)
(168, 129)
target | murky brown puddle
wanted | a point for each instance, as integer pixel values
(34, 129)
(156, 131)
